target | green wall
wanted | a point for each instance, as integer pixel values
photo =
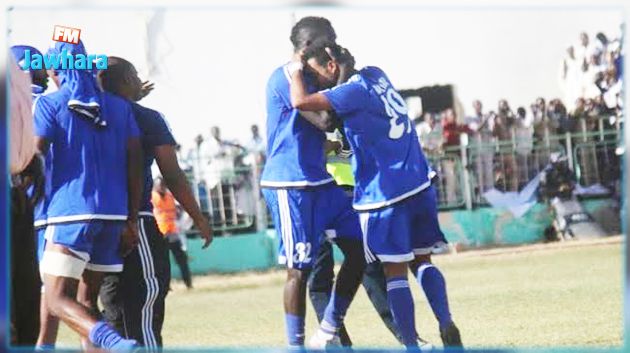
(479, 227)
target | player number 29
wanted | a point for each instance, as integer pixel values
(395, 107)
(302, 252)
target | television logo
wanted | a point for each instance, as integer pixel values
(66, 34)
(63, 60)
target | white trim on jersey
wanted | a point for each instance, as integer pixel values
(300, 183)
(370, 206)
(376, 205)
(364, 218)
(436, 248)
(84, 217)
(396, 258)
(286, 227)
(148, 271)
(146, 214)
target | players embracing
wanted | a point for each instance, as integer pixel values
(394, 195)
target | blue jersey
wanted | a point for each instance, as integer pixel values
(88, 164)
(388, 164)
(295, 147)
(154, 132)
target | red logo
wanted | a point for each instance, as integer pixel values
(66, 34)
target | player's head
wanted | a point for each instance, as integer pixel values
(254, 129)
(39, 77)
(310, 29)
(323, 59)
(121, 78)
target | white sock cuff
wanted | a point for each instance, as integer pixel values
(397, 284)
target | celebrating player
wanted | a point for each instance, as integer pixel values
(96, 180)
(136, 299)
(393, 191)
(304, 201)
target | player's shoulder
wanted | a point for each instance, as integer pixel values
(372, 73)
(55, 100)
(141, 111)
(149, 119)
(114, 100)
(279, 76)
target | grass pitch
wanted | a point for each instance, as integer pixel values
(564, 294)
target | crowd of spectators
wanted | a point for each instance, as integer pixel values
(591, 82)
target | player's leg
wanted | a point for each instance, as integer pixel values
(375, 285)
(109, 295)
(48, 324)
(87, 295)
(428, 237)
(292, 212)
(335, 215)
(387, 238)
(48, 327)
(64, 261)
(61, 279)
(320, 285)
(144, 285)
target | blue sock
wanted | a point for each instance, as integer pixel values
(402, 308)
(45, 347)
(434, 286)
(295, 329)
(103, 336)
(334, 313)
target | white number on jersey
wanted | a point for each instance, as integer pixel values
(395, 106)
(302, 253)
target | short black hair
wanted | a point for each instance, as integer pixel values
(318, 51)
(312, 23)
(111, 78)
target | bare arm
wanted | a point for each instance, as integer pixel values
(304, 101)
(166, 158)
(134, 176)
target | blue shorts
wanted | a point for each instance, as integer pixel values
(403, 230)
(303, 216)
(97, 242)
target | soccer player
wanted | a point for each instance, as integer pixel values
(136, 299)
(305, 202)
(393, 191)
(94, 197)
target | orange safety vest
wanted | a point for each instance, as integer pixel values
(165, 212)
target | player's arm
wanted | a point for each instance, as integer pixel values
(134, 176)
(302, 100)
(166, 158)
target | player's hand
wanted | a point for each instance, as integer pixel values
(294, 66)
(205, 231)
(129, 238)
(147, 87)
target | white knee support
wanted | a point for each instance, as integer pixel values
(61, 265)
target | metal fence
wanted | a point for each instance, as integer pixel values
(232, 199)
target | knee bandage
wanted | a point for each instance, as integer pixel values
(61, 265)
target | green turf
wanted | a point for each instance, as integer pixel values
(554, 297)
